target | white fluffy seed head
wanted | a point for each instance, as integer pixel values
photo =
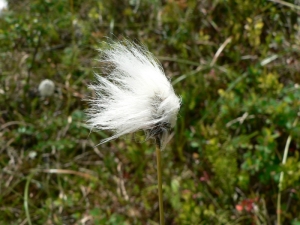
(3, 5)
(46, 88)
(135, 94)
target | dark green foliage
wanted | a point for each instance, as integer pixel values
(234, 63)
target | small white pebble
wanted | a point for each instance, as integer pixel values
(46, 88)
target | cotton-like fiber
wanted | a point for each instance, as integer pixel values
(46, 88)
(132, 94)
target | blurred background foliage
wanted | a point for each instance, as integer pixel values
(234, 63)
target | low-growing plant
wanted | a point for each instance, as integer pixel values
(234, 64)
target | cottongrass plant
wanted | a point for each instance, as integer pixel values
(134, 95)
(46, 88)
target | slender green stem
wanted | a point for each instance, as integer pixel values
(26, 193)
(279, 207)
(285, 154)
(159, 180)
(73, 18)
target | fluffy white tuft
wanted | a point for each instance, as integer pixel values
(135, 94)
(46, 88)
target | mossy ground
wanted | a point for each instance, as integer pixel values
(234, 63)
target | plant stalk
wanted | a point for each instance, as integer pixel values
(285, 154)
(26, 199)
(159, 184)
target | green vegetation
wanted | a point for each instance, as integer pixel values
(234, 63)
